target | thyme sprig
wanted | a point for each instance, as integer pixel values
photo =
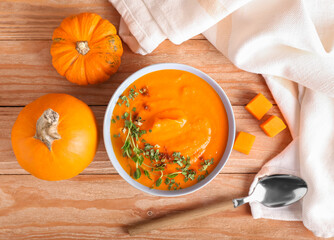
(206, 164)
(130, 148)
(126, 99)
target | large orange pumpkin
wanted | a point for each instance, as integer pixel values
(86, 49)
(55, 137)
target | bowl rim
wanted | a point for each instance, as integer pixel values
(107, 122)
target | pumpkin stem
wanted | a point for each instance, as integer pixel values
(46, 127)
(82, 47)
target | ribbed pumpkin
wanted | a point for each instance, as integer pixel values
(55, 137)
(86, 49)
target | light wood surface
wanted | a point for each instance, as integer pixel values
(102, 206)
(99, 204)
(27, 72)
(181, 217)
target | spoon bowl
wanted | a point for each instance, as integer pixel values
(276, 191)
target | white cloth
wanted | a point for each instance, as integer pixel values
(290, 42)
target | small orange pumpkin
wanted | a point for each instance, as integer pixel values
(55, 137)
(86, 49)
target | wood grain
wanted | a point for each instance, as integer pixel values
(35, 20)
(179, 218)
(26, 72)
(263, 150)
(101, 207)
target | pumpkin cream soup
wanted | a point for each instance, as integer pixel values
(169, 129)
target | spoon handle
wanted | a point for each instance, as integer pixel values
(180, 217)
(240, 201)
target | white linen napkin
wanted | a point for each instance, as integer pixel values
(289, 42)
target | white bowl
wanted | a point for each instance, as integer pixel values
(107, 121)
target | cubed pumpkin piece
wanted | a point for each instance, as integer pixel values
(258, 106)
(273, 126)
(244, 142)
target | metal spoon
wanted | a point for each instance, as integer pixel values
(272, 191)
(276, 191)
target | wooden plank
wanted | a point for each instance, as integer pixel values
(263, 150)
(26, 72)
(100, 207)
(36, 20)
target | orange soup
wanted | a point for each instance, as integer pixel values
(169, 129)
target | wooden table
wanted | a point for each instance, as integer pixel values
(99, 203)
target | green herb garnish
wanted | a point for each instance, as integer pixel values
(132, 94)
(137, 173)
(125, 99)
(130, 148)
(206, 164)
(200, 177)
(167, 181)
(172, 175)
(147, 174)
(158, 182)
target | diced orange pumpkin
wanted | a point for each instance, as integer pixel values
(258, 106)
(273, 126)
(244, 142)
